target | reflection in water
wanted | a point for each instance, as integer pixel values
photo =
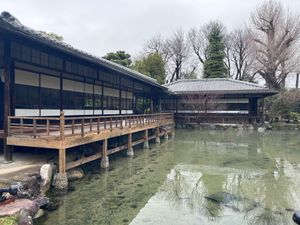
(201, 177)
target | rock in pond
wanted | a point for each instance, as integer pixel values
(15, 206)
(75, 174)
(25, 218)
(46, 175)
(235, 202)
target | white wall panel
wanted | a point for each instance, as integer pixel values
(98, 90)
(111, 92)
(88, 88)
(88, 112)
(110, 112)
(50, 112)
(50, 82)
(27, 112)
(68, 85)
(97, 112)
(26, 78)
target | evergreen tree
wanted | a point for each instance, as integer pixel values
(214, 65)
(152, 65)
(119, 57)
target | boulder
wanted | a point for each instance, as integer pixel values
(39, 214)
(46, 175)
(30, 186)
(42, 202)
(25, 218)
(60, 181)
(15, 206)
(261, 129)
(75, 174)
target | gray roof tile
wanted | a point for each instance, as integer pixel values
(13, 24)
(221, 85)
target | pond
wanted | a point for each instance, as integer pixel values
(229, 177)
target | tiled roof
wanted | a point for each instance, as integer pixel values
(12, 24)
(219, 85)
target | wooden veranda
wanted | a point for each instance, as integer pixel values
(63, 133)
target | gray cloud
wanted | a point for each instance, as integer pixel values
(102, 26)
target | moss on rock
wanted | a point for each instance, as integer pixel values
(9, 220)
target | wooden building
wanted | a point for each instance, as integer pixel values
(219, 100)
(43, 79)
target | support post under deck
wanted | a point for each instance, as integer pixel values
(146, 137)
(130, 149)
(61, 181)
(104, 159)
(157, 139)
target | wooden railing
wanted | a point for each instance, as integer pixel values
(69, 126)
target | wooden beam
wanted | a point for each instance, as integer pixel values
(8, 73)
(84, 160)
(62, 161)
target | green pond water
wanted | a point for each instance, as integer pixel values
(201, 177)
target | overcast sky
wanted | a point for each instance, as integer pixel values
(100, 26)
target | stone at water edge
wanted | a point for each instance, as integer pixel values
(46, 175)
(13, 208)
(42, 202)
(25, 218)
(60, 181)
(261, 129)
(39, 214)
(75, 174)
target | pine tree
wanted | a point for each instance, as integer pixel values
(214, 65)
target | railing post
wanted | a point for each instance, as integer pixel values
(34, 128)
(91, 124)
(22, 125)
(82, 127)
(73, 126)
(110, 123)
(48, 127)
(8, 127)
(98, 125)
(129, 121)
(62, 125)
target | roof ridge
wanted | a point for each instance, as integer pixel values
(247, 83)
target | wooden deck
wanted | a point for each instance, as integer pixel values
(63, 132)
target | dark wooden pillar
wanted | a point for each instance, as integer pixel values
(297, 80)
(120, 96)
(8, 96)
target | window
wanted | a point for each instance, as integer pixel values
(50, 92)
(26, 89)
(26, 54)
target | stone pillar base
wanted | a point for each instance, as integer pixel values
(105, 162)
(61, 181)
(157, 140)
(173, 134)
(146, 144)
(130, 152)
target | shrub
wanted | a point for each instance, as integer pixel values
(284, 106)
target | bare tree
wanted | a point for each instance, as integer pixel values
(158, 45)
(198, 42)
(178, 48)
(275, 34)
(240, 55)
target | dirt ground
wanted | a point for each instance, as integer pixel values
(23, 163)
